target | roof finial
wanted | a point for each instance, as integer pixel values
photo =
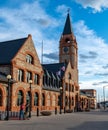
(68, 10)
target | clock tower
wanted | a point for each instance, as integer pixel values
(68, 45)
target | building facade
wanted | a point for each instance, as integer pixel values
(53, 85)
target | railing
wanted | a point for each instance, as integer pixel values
(3, 115)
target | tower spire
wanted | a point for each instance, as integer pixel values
(68, 10)
(67, 28)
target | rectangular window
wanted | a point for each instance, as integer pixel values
(36, 79)
(20, 75)
(29, 76)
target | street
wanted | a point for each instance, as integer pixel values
(94, 120)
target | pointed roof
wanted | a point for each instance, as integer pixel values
(67, 27)
(8, 49)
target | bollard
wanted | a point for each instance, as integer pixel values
(60, 110)
(37, 111)
(55, 110)
(64, 110)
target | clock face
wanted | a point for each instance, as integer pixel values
(65, 49)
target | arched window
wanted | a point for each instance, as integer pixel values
(59, 100)
(29, 59)
(36, 99)
(66, 100)
(67, 40)
(28, 97)
(72, 101)
(20, 75)
(29, 76)
(19, 98)
(72, 88)
(43, 99)
(69, 76)
(66, 88)
(1, 98)
(36, 79)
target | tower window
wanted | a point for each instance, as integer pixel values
(67, 40)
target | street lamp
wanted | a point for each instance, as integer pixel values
(61, 90)
(104, 94)
(30, 105)
(8, 96)
(69, 77)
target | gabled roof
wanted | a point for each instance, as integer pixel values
(8, 49)
(56, 68)
(3, 78)
(67, 27)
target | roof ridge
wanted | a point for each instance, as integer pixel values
(54, 63)
(13, 40)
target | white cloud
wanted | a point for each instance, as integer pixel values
(62, 9)
(28, 19)
(96, 5)
(88, 41)
(32, 19)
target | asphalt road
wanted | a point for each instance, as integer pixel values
(95, 120)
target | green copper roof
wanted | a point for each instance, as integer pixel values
(67, 27)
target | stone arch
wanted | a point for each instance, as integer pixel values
(43, 99)
(24, 94)
(39, 96)
(3, 90)
(3, 97)
(66, 100)
(72, 101)
(48, 97)
(53, 99)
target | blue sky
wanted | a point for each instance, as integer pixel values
(45, 19)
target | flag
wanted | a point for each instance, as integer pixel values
(58, 73)
(63, 68)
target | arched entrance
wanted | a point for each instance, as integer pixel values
(20, 97)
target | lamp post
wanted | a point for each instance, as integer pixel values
(8, 96)
(104, 94)
(30, 105)
(61, 89)
(69, 77)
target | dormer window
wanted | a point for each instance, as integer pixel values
(29, 59)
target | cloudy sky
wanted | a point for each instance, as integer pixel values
(45, 19)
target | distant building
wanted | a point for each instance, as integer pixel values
(90, 97)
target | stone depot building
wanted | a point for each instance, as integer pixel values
(52, 84)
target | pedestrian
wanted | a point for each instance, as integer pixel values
(21, 114)
(27, 110)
